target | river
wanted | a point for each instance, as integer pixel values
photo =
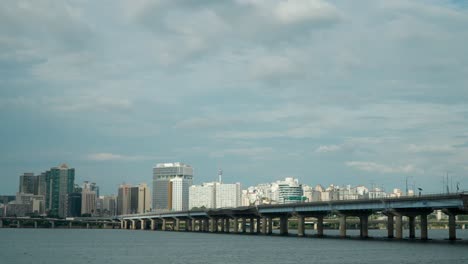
(53, 246)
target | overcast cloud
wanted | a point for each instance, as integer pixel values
(367, 92)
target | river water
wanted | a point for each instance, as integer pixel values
(51, 246)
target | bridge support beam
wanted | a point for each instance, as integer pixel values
(70, 225)
(188, 224)
(258, 225)
(300, 226)
(163, 226)
(390, 228)
(343, 226)
(207, 225)
(452, 227)
(133, 224)
(176, 224)
(244, 225)
(153, 224)
(264, 225)
(143, 224)
(284, 225)
(412, 227)
(364, 226)
(399, 227)
(18, 224)
(87, 225)
(424, 235)
(52, 224)
(228, 225)
(35, 224)
(320, 226)
(221, 224)
(236, 225)
(252, 225)
(1, 223)
(270, 225)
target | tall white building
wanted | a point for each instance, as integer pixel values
(215, 195)
(88, 199)
(144, 198)
(171, 182)
(202, 196)
(227, 195)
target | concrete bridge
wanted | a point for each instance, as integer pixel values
(77, 222)
(259, 219)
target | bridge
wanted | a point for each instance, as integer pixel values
(260, 219)
(76, 222)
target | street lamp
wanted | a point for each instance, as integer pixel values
(420, 189)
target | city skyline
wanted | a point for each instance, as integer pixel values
(324, 91)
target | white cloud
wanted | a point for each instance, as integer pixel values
(381, 168)
(328, 148)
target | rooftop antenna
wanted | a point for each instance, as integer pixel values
(220, 175)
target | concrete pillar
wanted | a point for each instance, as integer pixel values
(87, 225)
(399, 227)
(212, 224)
(264, 225)
(342, 226)
(35, 224)
(452, 227)
(252, 225)
(300, 226)
(364, 226)
(221, 224)
(270, 225)
(125, 224)
(153, 224)
(244, 225)
(143, 224)
(412, 227)
(320, 226)
(70, 225)
(52, 224)
(390, 228)
(207, 224)
(284, 225)
(1, 223)
(236, 225)
(258, 225)
(133, 224)
(188, 225)
(177, 224)
(163, 227)
(18, 224)
(424, 235)
(228, 225)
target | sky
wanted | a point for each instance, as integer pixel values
(371, 92)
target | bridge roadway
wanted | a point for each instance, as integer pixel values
(35, 222)
(259, 219)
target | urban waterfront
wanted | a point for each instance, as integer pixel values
(124, 246)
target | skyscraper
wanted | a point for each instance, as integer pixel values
(28, 183)
(60, 181)
(171, 182)
(88, 198)
(123, 199)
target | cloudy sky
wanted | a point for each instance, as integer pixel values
(346, 92)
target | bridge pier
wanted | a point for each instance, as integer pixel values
(320, 226)
(300, 226)
(1, 223)
(412, 227)
(35, 224)
(364, 226)
(18, 224)
(264, 225)
(163, 226)
(270, 225)
(52, 224)
(153, 224)
(284, 225)
(258, 225)
(423, 224)
(236, 225)
(87, 225)
(188, 224)
(452, 227)
(228, 225)
(252, 225)
(143, 224)
(399, 227)
(133, 224)
(207, 225)
(390, 228)
(244, 225)
(342, 225)
(176, 224)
